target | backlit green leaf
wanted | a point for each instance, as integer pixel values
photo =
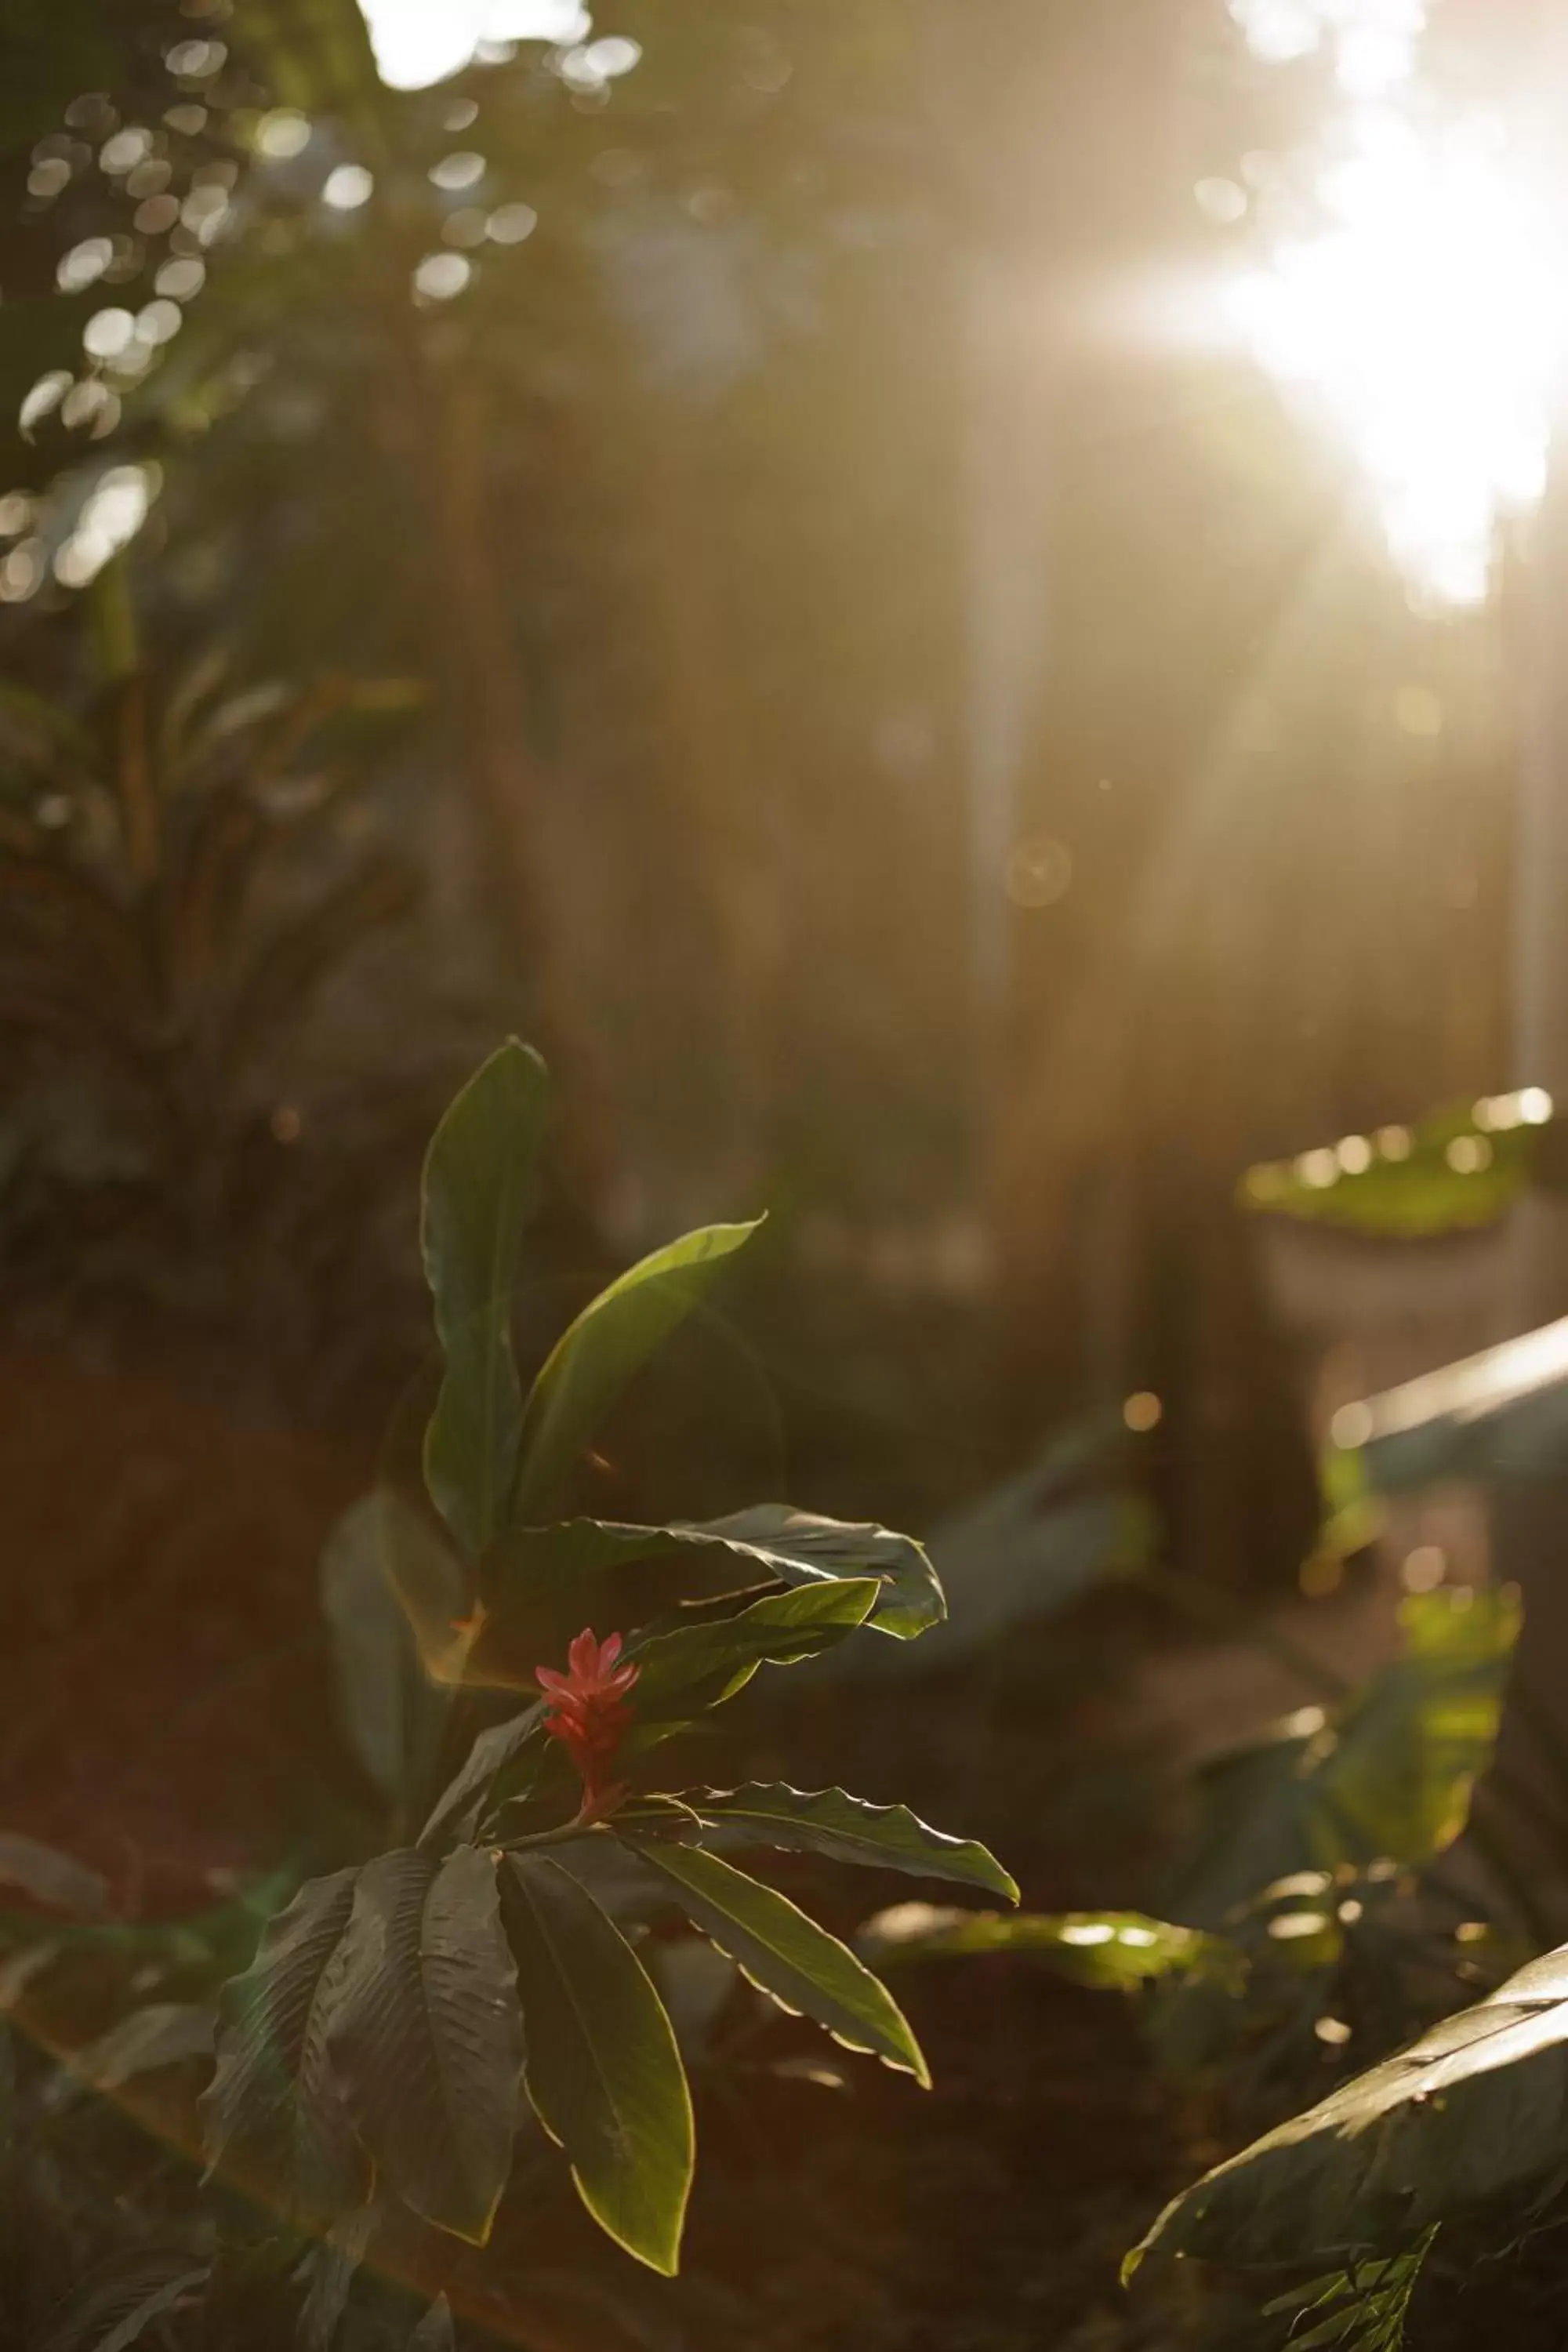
(1114, 1949)
(596, 1357)
(1469, 2115)
(1387, 1776)
(1362, 2308)
(773, 1540)
(478, 1172)
(698, 1666)
(787, 1955)
(603, 2071)
(846, 1828)
(1460, 1167)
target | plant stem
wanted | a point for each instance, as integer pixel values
(114, 623)
(563, 1836)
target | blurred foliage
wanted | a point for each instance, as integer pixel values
(1384, 1775)
(181, 875)
(1458, 1168)
(1032, 1545)
(1500, 1418)
(642, 444)
(1111, 1950)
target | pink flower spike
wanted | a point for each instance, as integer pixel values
(586, 1709)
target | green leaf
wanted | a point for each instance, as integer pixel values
(1367, 2304)
(1115, 1949)
(478, 1172)
(393, 1713)
(603, 2071)
(1029, 1547)
(164, 2033)
(331, 2268)
(113, 2312)
(1410, 1747)
(55, 1880)
(846, 1828)
(682, 1673)
(1498, 1418)
(270, 2113)
(425, 2034)
(500, 1751)
(1461, 1167)
(435, 2332)
(1387, 1777)
(787, 1955)
(804, 1549)
(774, 1540)
(596, 1357)
(1469, 2115)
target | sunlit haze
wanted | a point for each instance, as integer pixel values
(1418, 312)
(417, 42)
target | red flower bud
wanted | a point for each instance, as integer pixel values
(586, 1711)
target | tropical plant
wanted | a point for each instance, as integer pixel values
(498, 1974)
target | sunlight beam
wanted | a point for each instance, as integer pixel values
(1417, 310)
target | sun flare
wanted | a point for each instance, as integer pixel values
(1419, 312)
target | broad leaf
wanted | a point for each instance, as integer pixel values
(503, 1750)
(1498, 1418)
(1411, 1747)
(1462, 1167)
(393, 1713)
(1114, 1949)
(1388, 1776)
(698, 1666)
(477, 1176)
(165, 2034)
(772, 1542)
(1470, 2114)
(596, 1357)
(55, 1880)
(787, 1955)
(332, 2268)
(113, 2313)
(603, 2071)
(435, 2332)
(846, 1828)
(1029, 1547)
(424, 2036)
(271, 2110)
(803, 1547)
